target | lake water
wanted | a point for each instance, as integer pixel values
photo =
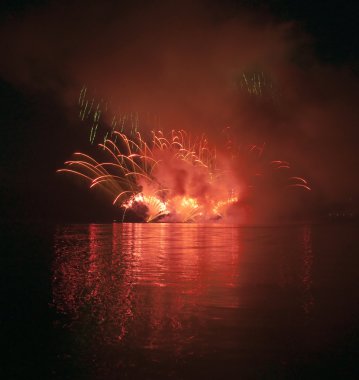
(182, 301)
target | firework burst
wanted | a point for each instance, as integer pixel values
(173, 177)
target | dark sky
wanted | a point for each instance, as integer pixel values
(180, 61)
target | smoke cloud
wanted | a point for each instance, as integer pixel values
(201, 68)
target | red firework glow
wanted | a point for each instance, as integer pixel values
(175, 178)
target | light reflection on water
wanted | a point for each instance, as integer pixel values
(185, 290)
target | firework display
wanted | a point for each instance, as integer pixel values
(169, 176)
(173, 176)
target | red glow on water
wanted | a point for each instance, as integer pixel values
(157, 281)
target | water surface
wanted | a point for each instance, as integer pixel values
(180, 301)
(191, 300)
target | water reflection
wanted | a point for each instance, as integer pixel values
(182, 288)
(98, 269)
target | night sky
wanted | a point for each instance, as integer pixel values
(180, 61)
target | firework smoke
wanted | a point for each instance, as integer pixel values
(198, 67)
